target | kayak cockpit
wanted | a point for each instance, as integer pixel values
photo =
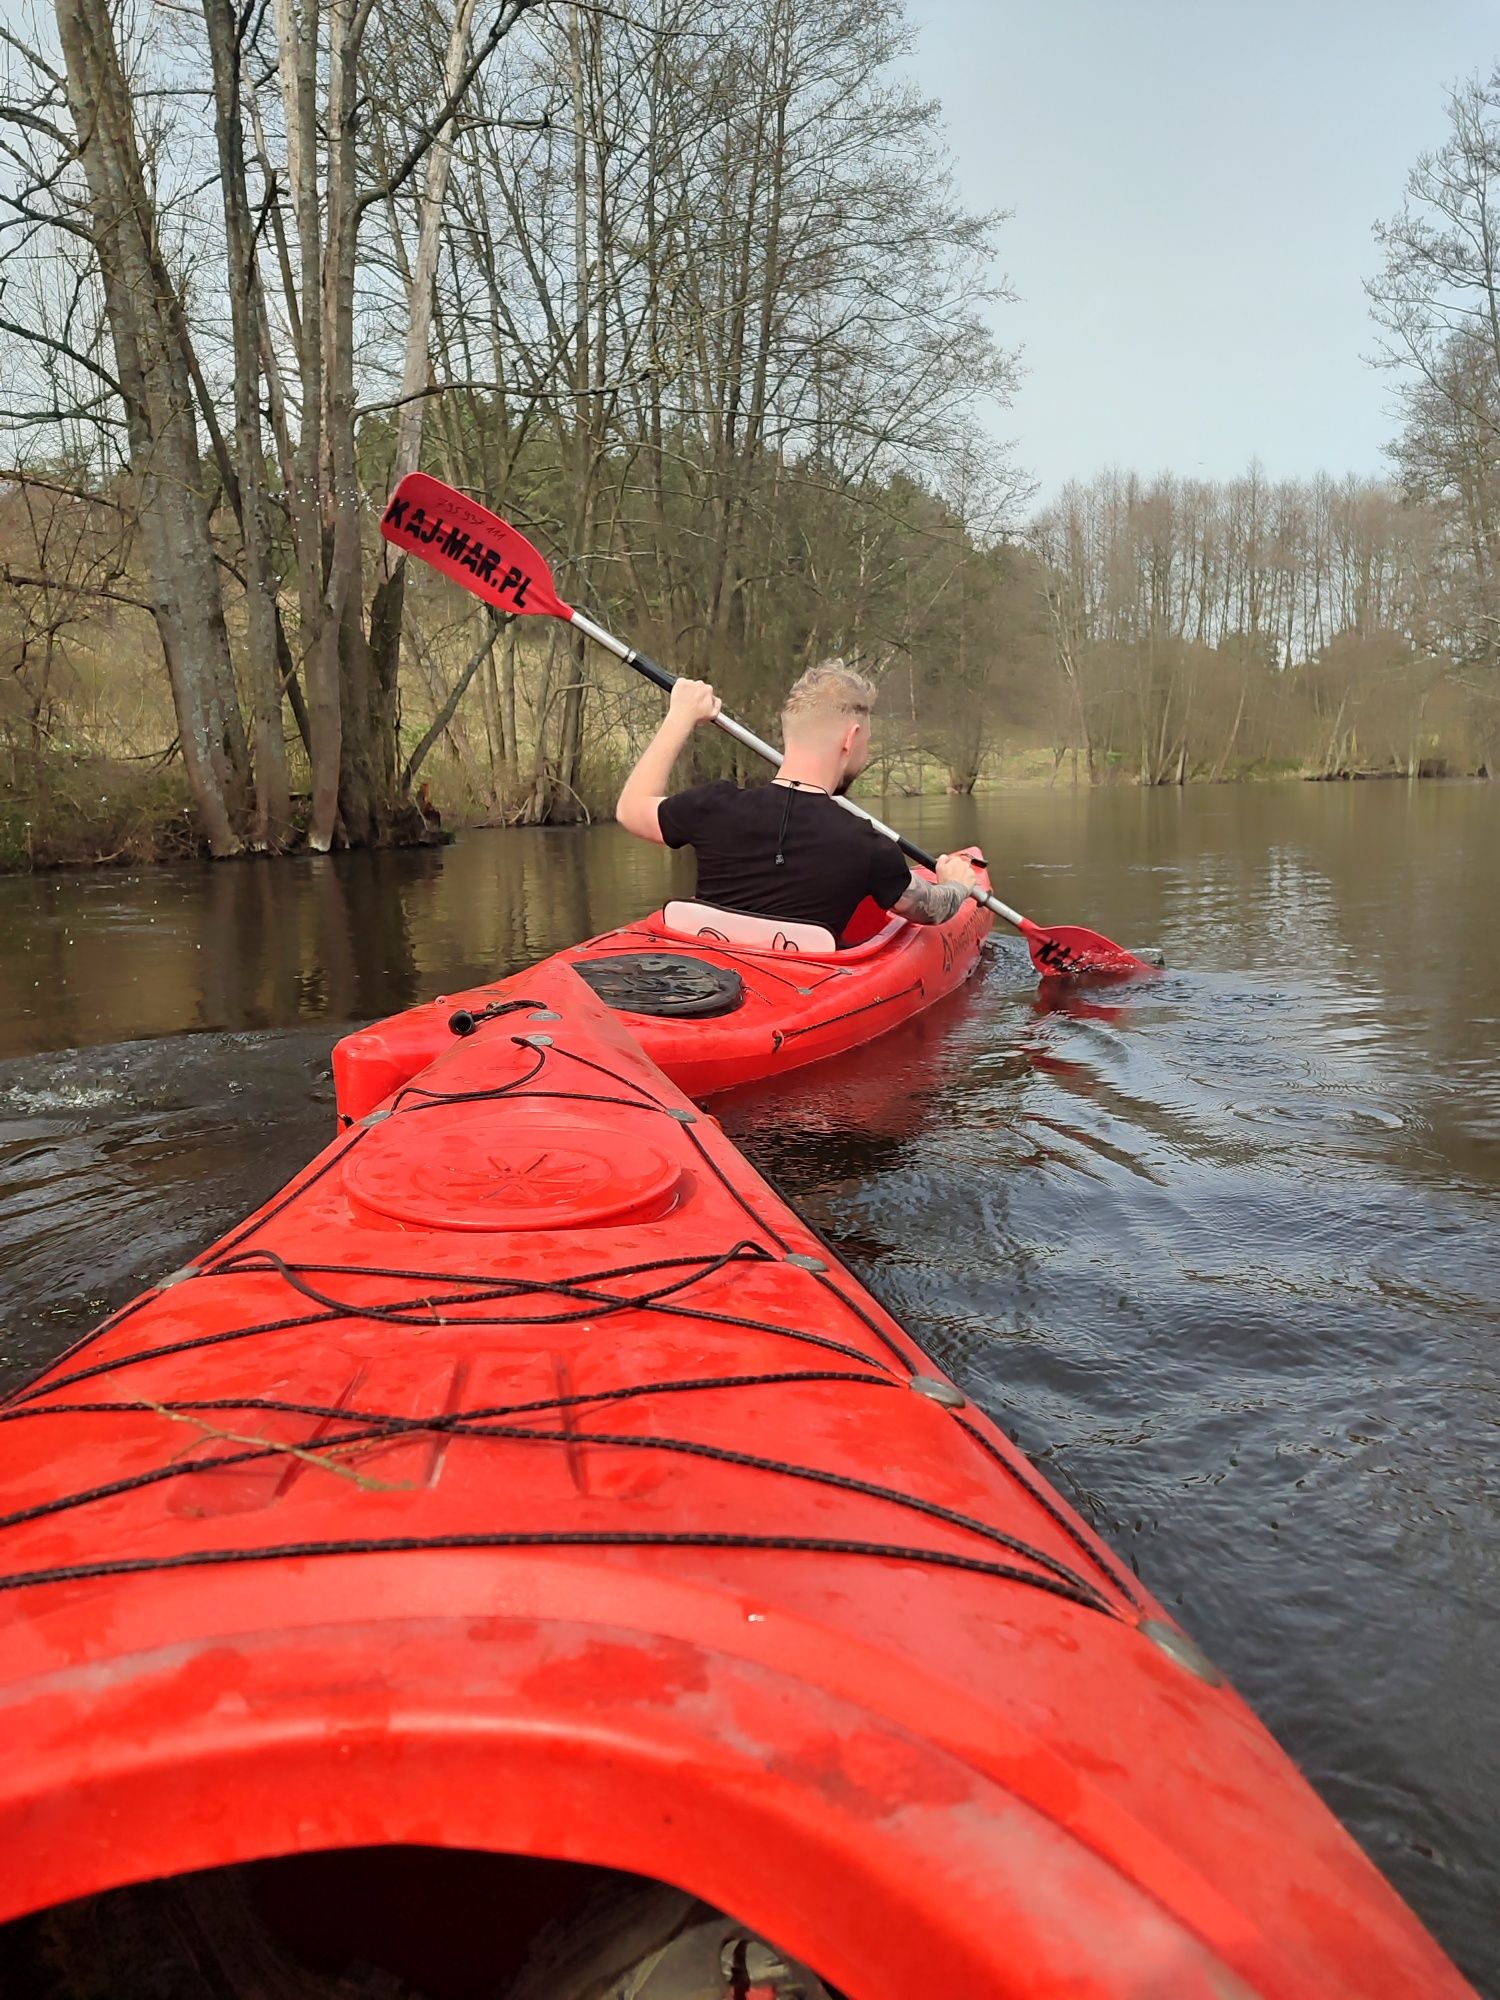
(396, 1923)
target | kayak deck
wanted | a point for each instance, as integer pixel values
(527, 1478)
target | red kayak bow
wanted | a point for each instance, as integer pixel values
(526, 1480)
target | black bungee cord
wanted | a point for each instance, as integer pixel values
(441, 1291)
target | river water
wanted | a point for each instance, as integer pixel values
(1221, 1249)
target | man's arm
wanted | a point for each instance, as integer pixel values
(935, 902)
(692, 702)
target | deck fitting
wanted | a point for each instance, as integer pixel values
(1180, 1648)
(936, 1390)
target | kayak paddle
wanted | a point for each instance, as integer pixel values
(475, 548)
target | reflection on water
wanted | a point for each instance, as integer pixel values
(1220, 1248)
(110, 956)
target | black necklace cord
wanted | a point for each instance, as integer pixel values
(791, 786)
(786, 814)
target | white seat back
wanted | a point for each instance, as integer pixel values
(734, 927)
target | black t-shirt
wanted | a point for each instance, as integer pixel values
(830, 860)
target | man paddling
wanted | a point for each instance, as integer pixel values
(786, 850)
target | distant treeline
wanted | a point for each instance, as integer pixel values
(683, 289)
(1202, 630)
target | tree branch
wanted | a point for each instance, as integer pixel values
(510, 13)
(38, 339)
(19, 582)
(450, 707)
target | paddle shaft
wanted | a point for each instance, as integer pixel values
(660, 677)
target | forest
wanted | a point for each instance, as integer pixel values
(685, 292)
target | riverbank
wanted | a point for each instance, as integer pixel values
(115, 813)
(93, 812)
(100, 813)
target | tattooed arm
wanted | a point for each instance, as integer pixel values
(930, 902)
(935, 902)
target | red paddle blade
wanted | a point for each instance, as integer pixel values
(431, 521)
(1067, 951)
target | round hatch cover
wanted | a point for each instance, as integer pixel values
(445, 1170)
(660, 982)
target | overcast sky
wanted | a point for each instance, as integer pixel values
(1194, 184)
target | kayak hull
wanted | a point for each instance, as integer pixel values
(798, 1008)
(526, 1477)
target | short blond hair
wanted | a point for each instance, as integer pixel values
(830, 691)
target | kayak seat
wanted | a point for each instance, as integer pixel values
(703, 920)
(868, 921)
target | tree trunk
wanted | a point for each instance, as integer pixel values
(1229, 743)
(570, 737)
(508, 704)
(154, 375)
(387, 611)
(272, 803)
(297, 25)
(367, 693)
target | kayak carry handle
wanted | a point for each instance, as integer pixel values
(467, 1019)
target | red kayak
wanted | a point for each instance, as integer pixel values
(710, 1015)
(526, 1484)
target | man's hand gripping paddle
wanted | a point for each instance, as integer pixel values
(487, 556)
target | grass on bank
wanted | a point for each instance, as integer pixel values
(93, 811)
(86, 811)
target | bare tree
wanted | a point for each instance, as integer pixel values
(684, 286)
(1437, 303)
(154, 369)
